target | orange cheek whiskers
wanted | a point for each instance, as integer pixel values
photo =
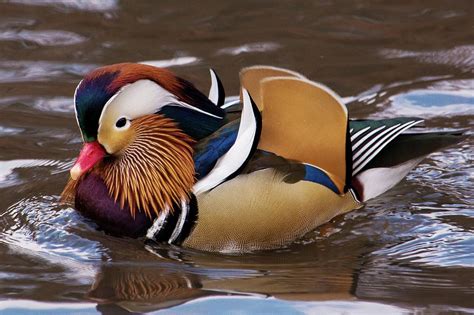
(155, 170)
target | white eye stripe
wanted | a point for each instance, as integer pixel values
(141, 98)
(109, 103)
(134, 100)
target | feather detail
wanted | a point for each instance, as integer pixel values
(251, 79)
(216, 92)
(118, 75)
(100, 85)
(69, 192)
(185, 91)
(307, 122)
(154, 171)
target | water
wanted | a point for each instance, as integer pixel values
(410, 250)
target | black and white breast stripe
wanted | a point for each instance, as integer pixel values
(368, 142)
(174, 226)
(232, 162)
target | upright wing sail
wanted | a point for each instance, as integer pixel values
(251, 79)
(307, 122)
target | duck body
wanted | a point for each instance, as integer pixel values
(292, 161)
(264, 209)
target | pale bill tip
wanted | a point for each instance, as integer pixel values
(76, 171)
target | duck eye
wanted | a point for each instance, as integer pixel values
(121, 122)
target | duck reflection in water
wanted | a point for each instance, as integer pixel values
(178, 276)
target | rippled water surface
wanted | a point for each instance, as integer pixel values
(410, 250)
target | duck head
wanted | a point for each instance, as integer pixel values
(138, 124)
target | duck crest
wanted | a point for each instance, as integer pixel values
(102, 84)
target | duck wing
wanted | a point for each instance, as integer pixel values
(387, 163)
(307, 122)
(304, 121)
(237, 156)
(369, 137)
(251, 78)
(301, 121)
(210, 149)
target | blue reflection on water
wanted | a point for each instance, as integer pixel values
(428, 99)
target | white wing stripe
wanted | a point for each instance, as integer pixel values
(371, 142)
(375, 150)
(361, 141)
(358, 133)
(369, 147)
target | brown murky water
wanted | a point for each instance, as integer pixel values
(410, 250)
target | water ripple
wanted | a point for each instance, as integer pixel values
(444, 246)
(54, 104)
(27, 71)
(59, 104)
(8, 175)
(9, 22)
(449, 172)
(247, 48)
(40, 228)
(460, 56)
(43, 38)
(438, 97)
(8, 131)
(428, 103)
(179, 61)
(84, 5)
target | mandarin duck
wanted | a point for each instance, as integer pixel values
(163, 161)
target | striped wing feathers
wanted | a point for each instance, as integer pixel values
(307, 122)
(369, 138)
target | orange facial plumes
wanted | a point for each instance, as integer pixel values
(155, 170)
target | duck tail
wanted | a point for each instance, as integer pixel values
(399, 157)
